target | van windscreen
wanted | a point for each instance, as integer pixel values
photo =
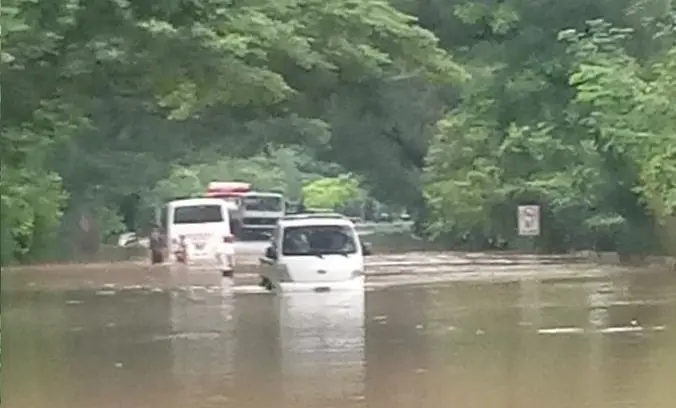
(263, 203)
(198, 214)
(318, 240)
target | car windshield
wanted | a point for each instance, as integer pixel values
(318, 240)
(198, 214)
(263, 203)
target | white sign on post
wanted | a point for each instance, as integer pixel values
(529, 220)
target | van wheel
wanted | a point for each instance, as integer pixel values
(265, 283)
(156, 257)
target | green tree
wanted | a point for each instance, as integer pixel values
(528, 128)
(332, 192)
(237, 78)
(284, 169)
(630, 105)
(110, 106)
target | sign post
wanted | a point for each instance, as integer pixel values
(529, 222)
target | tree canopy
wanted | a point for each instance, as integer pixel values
(567, 108)
(458, 110)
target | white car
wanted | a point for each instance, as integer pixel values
(314, 252)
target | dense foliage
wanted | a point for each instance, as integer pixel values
(331, 192)
(458, 110)
(569, 108)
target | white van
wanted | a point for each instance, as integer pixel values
(314, 252)
(203, 222)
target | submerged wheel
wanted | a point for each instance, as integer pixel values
(265, 283)
(156, 257)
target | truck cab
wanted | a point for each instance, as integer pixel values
(261, 211)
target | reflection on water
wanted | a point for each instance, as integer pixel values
(202, 342)
(322, 348)
(604, 343)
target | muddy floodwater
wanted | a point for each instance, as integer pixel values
(549, 339)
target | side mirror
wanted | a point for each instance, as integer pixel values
(366, 249)
(270, 253)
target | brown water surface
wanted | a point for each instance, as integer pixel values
(602, 342)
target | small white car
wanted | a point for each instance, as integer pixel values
(314, 252)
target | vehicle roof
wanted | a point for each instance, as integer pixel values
(298, 220)
(186, 202)
(262, 194)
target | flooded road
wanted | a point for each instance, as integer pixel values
(605, 340)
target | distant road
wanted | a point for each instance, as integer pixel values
(367, 228)
(364, 228)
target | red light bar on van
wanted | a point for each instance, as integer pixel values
(227, 189)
